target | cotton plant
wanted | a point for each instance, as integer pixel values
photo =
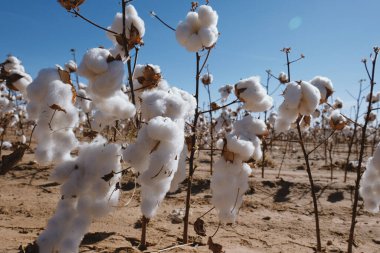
(337, 121)
(199, 29)
(105, 74)
(300, 98)
(370, 183)
(158, 149)
(229, 181)
(51, 105)
(88, 190)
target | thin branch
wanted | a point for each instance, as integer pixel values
(221, 107)
(321, 143)
(205, 61)
(91, 22)
(89, 99)
(153, 14)
(366, 69)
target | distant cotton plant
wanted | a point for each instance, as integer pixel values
(253, 95)
(87, 193)
(51, 105)
(375, 97)
(338, 103)
(283, 78)
(229, 181)
(300, 98)
(199, 29)
(370, 183)
(207, 79)
(225, 91)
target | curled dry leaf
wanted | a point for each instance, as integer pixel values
(90, 134)
(70, 4)
(238, 92)
(214, 247)
(214, 106)
(188, 143)
(306, 120)
(9, 80)
(108, 176)
(199, 227)
(57, 107)
(155, 147)
(228, 155)
(11, 160)
(111, 58)
(66, 78)
(150, 78)
(134, 38)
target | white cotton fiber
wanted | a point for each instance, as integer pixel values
(229, 182)
(85, 195)
(370, 183)
(51, 105)
(252, 93)
(225, 91)
(324, 86)
(198, 30)
(310, 98)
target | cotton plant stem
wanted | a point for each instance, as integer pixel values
(361, 156)
(211, 131)
(311, 181)
(192, 154)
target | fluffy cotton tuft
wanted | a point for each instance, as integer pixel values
(299, 98)
(370, 183)
(324, 86)
(51, 105)
(85, 195)
(225, 91)
(158, 153)
(134, 27)
(229, 181)
(252, 93)
(199, 29)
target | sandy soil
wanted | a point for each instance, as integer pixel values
(276, 216)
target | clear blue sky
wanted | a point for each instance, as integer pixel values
(334, 35)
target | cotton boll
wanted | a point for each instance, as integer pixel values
(324, 86)
(183, 33)
(180, 174)
(162, 128)
(194, 43)
(62, 172)
(244, 148)
(94, 63)
(310, 98)
(208, 36)
(225, 91)
(207, 16)
(292, 95)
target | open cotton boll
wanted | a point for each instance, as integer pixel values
(370, 183)
(207, 16)
(162, 129)
(324, 86)
(198, 31)
(134, 26)
(244, 148)
(85, 195)
(249, 127)
(229, 182)
(117, 106)
(225, 91)
(94, 63)
(292, 95)
(310, 97)
(253, 94)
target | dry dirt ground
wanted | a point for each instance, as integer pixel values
(276, 216)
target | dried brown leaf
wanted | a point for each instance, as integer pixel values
(214, 247)
(214, 106)
(155, 147)
(228, 155)
(66, 78)
(57, 107)
(199, 227)
(70, 4)
(11, 79)
(91, 134)
(11, 160)
(238, 92)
